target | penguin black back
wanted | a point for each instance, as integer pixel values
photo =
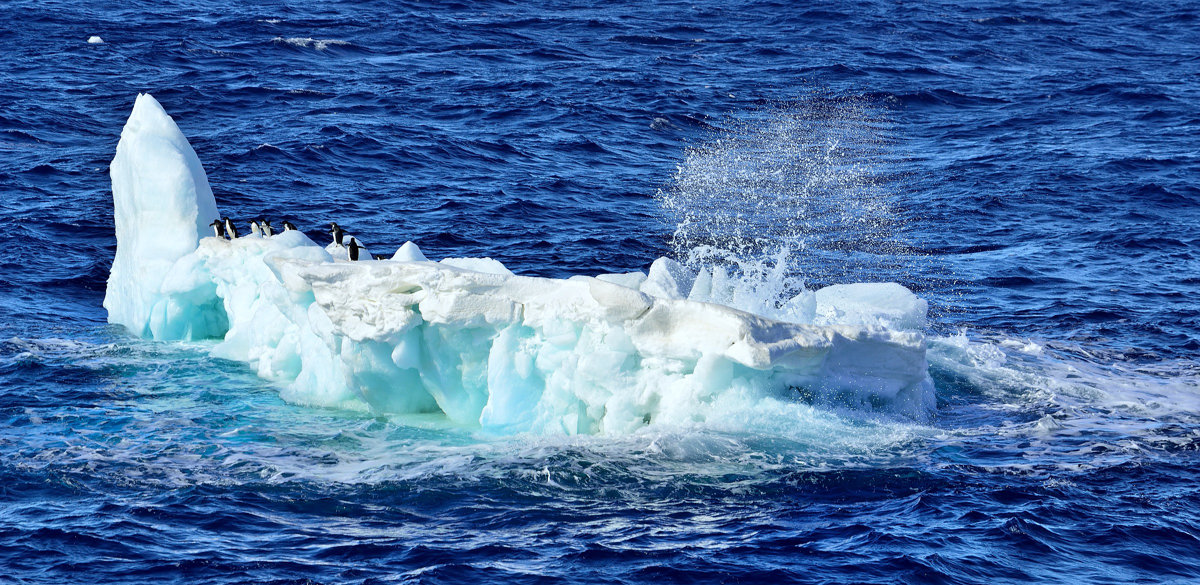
(354, 247)
(218, 229)
(337, 232)
(230, 229)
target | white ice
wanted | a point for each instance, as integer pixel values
(162, 205)
(467, 337)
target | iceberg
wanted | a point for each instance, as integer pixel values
(469, 338)
(162, 204)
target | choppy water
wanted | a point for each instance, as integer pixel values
(1030, 169)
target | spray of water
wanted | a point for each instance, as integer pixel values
(783, 195)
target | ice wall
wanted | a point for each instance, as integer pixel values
(468, 338)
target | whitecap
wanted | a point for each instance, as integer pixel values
(309, 42)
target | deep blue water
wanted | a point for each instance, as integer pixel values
(1033, 169)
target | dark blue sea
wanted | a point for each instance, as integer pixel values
(1032, 169)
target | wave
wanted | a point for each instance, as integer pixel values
(309, 42)
(1076, 408)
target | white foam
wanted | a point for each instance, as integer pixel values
(95, 40)
(318, 44)
(1085, 404)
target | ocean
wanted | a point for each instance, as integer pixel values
(1030, 169)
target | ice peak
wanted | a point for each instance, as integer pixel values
(162, 205)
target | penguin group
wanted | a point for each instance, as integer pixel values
(225, 229)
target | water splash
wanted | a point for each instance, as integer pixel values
(788, 194)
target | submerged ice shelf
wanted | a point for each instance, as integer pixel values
(469, 338)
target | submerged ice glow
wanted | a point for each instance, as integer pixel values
(468, 338)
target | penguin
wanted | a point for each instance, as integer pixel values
(380, 257)
(216, 226)
(230, 229)
(254, 229)
(287, 226)
(354, 247)
(337, 233)
(266, 229)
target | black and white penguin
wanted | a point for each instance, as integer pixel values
(337, 232)
(218, 230)
(254, 229)
(266, 229)
(287, 226)
(230, 229)
(354, 248)
(380, 257)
